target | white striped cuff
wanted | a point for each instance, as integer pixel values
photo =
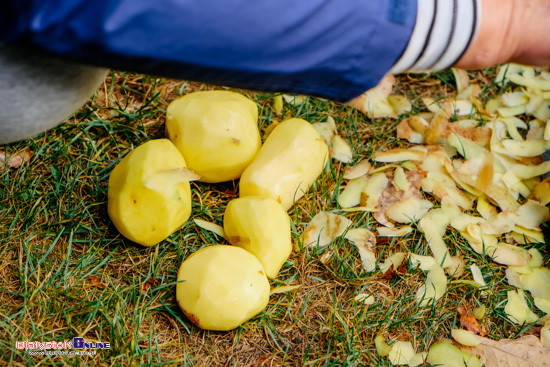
(443, 31)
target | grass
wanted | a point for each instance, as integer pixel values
(68, 273)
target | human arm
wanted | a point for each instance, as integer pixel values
(511, 31)
(331, 48)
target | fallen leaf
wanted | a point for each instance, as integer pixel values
(469, 322)
(526, 351)
(96, 282)
(390, 273)
(264, 361)
(15, 160)
(150, 282)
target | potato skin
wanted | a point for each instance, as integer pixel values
(216, 132)
(291, 159)
(262, 227)
(140, 214)
(222, 287)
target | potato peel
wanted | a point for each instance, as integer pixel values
(517, 309)
(365, 242)
(211, 227)
(324, 228)
(434, 288)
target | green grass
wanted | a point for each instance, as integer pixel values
(68, 273)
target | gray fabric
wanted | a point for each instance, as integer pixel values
(39, 91)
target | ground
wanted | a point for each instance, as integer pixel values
(68, 273)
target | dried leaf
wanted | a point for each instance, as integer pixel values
(469, 322)
(15, 160)
(96, 282)
(150, 282)
(523, 352)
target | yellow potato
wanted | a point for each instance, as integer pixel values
(216, 131)
(291, 159)
(149, 196)
(262, 227)
(221, 287)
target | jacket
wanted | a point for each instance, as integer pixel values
(335, 49)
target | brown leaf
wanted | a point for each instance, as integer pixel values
(264, 361)
(383, 241)
(390, 273)
(96, 282)
(15, 160)
(402, 270)
(145, 286)
(469, 322)
(526, 351)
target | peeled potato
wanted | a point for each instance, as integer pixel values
(149, 196)
(221, 287)
(291, 159)
(262, 227)
(216, 131)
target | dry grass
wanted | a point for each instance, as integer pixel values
(68, 273)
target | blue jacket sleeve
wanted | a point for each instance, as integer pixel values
(330, 48)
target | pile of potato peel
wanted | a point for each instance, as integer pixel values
(472, 167)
